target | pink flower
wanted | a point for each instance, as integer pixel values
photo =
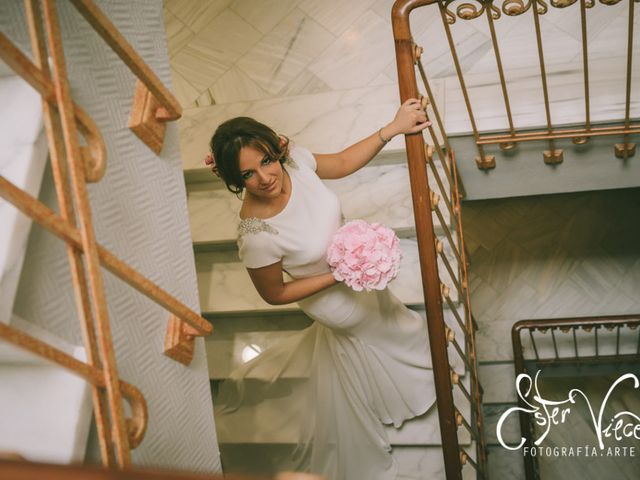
(364, 256)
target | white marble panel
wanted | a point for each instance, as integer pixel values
(196, 14)
(471, 45)
(283, 53)
(527, 102)
(335, 15)
(212, 213)
(235, 86)
(358, 55)
(215, 49)
(183, 90)
(178, 34)
(322, 122)
(23, 155)
(226, 286)
(303, 84)
(264, 15)
(498, 381)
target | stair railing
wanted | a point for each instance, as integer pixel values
(579, 134)
(559, 330)
(426, 204)
(73, 166)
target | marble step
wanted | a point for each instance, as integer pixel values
(46, 413)
(267, 422)
(414, 462)
(379, 193)
(322, 122)
(230, 346)
(225, 286)
(23, 156)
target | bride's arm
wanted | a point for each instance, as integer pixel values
(410, 118)
(271, 287)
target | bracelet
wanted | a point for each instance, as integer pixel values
(381, 137)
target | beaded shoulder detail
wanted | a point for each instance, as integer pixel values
(254, 225)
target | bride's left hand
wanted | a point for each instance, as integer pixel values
(410, 118)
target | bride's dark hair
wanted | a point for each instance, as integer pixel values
(231, 136)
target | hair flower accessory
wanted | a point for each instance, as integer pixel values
(366, 256)
(210, 161)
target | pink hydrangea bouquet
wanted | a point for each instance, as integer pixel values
(366, 256)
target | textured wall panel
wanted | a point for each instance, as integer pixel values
(140, 213)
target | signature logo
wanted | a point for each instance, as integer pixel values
(548, 413)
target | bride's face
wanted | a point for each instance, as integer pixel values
(263, 176)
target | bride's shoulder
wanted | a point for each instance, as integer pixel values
(298, 154)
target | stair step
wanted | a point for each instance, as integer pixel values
(23, 156)
(414, 462)
(378, 193)
(232, 345)
(46, 413)
(321, 122)
(268, 423)
(225, 285)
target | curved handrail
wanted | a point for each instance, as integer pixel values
(96, 165)
(140, 414)
(417, 155)
(171, 109)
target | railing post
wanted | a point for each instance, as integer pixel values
(425, 233)
(525, 424)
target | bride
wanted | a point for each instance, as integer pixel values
(365, 357)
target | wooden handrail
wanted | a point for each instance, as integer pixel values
(408, 55)
(73, 166)
(48, 219)
(421, 196)
(34, 76)
(112, 36)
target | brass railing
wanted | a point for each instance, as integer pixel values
(74, 166)
(558, 330)
(550, 133)
(426, 204)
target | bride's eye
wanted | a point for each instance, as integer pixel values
(246, 175)
(267, 160)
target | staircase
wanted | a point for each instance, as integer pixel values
(245, 325)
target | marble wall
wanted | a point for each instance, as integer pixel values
(549, 257)
(324, 73)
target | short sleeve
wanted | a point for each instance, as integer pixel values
(304, 156)
(259, 249)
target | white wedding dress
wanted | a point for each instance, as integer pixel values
(365, 357)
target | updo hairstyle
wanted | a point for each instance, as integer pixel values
(231, 136)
